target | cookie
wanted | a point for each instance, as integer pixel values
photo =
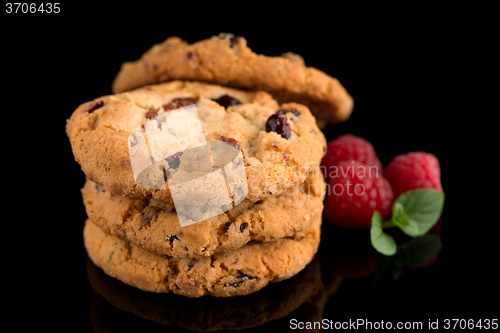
(227, 60)
(279, 145)
(154, 224)
(232, 273)
(208, 314)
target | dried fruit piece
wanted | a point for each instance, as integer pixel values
(94, 106)
(278, 123)
(243, 226)
(230, 141)
(226, 100)
(227, 225)
(180, 102)
(173, 160)
(152, 113)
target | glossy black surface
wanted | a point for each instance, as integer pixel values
(403, 75)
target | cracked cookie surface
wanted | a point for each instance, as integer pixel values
(232, 273)
(99, 130)
(227, 60)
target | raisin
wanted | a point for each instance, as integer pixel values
(181, 102)
(174, 160)
(226, 100)
(190, 55)
(278, 123)
(94, 106)
(226, 226)
(230, 141)
(243, 226)
(152, 112)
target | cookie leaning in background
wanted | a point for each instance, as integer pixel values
(280, 145)
(154, 225)
(227, 60)
(232, 273)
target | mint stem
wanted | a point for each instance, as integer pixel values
(387, 224)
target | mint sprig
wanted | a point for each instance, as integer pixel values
(381, 241)
(415, 212)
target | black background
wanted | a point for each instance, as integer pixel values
(405, 70)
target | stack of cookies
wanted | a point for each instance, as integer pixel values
(161, 239)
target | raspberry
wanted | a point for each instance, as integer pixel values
(355, 191)
(349, 147)
(412, 171)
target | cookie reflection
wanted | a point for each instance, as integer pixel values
(117, 307)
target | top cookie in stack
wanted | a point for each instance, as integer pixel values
(227, 60)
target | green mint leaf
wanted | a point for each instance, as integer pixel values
(417, 211)
(402, 221)
(418, 250)
(398, 214)
(381, 241)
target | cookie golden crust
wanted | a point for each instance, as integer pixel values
(154, 225)
(227, 60)
(99, 132)
(232, 273)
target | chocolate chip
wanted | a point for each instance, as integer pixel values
(239, 275)
(171, 238)
(174, 160)
(226, 100)
(94, 106)
(243, 226)
(278, 123)
(227, 225)
(147, 215)
(152, 112)
(234, 284)
(181, 102)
